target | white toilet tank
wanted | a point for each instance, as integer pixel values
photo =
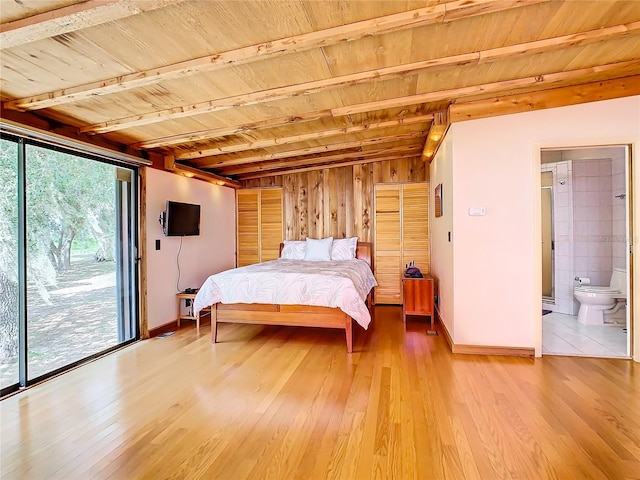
(619, 280)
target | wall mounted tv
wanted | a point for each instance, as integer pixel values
(181, 219)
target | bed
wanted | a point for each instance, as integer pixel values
(290, 313)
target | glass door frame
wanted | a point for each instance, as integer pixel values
(132, 247)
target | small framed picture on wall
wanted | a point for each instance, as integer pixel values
(438, 200)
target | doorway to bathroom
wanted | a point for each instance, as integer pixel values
(585, 251)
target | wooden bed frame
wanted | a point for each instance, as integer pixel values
(291, 315)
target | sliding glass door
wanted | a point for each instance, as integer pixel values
(9, 298)
(73, 276)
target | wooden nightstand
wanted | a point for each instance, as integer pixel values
(190, 296)
(417, 294)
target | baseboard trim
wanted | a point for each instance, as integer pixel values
(167, 327)
(483, 349)
(491, 350)
(173, 325)
(444, 329)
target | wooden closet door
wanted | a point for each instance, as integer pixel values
(271, 233)
(415, 225)
(388, 244)
(248, 231)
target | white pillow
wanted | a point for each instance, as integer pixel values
(318, 250)
(293, 249)
(344, 249)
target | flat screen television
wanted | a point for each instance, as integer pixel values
(181, 219)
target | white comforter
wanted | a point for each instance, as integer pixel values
(344, 285)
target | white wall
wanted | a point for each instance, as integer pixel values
(210, 252)
(492, 253)
(496, 257)
(441, 172)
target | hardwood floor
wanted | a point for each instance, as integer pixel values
(278, 403)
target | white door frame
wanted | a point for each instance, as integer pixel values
(633, 211)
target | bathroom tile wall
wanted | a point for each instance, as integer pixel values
(619, 212)
(593, 220)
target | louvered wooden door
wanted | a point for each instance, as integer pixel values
(270, 224)
(415, 226)
(401, 235)
(259, 225)
(388, 248)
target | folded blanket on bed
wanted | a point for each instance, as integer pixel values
(344, 285)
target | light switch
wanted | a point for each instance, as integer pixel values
(476, 211)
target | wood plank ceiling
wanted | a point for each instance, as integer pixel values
(244, 89)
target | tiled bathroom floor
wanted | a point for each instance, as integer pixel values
(563, 335)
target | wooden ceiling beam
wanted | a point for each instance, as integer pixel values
(274, 142)
(209, 162)
(58, 128)
(71, 18)
(322, 167)
(540, 100)
(187, 171)
(446, 12)
(490, 55)
(308, 161)
(587, 37)
(544, 81)
(232, 130)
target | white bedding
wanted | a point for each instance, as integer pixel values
(344, 285)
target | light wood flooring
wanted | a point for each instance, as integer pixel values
(280, 403)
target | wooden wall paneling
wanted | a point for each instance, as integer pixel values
(393, 171)
(312, 201)
(338, 201)
(268, 182)
(419, 171)
(402, 169)
(271, 230)
(290, 207)
(265, 182)
(331, 194)
(296, 181)
(316, 181)
(348, 202)
(341, 202)
(377, 169)
(367, 203)
(247, 202)
(357, 200)
(415, 225)
(303, 206)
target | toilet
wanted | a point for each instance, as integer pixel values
(599, 305)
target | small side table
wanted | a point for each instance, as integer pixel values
(190, 296)
(417, 294)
